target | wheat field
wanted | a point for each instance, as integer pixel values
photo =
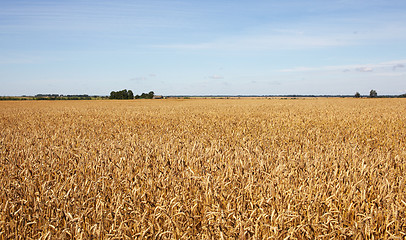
(323, 168)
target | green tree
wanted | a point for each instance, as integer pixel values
(357, 95)
(373, 94)
(130, 94)
(123, 94)
(151, 94)
(113, 95)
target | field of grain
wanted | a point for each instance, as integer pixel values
(203, 169)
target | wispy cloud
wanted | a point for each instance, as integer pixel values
(307, 36)
(138, 79)
(262, 42)
(215, 76)
(144, 78)
(364, 68)
(94, 17)
(396, 66)
(22, 59)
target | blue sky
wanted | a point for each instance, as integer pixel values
(202, 47)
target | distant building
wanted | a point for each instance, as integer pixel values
(157, 97)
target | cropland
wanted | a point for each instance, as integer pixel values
(311, 168)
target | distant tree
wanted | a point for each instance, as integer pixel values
(357, 95)
(123, 94)
(150, 94)
(373, 94)
(113, 95)
(130, 94)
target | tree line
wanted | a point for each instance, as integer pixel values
(61, 97)
(128, 94)
(123, 94)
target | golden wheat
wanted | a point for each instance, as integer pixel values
(203, 169)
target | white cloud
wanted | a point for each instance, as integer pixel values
(391, 74)
(331, 33)
(138, 79)
(22, 59)
(399, 65)
(263, 42)
(364, 69)
(143, 78)
(216, 77)
(382, 67)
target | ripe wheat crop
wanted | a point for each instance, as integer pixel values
(203, 169)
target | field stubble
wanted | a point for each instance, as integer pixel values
(204, 169)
